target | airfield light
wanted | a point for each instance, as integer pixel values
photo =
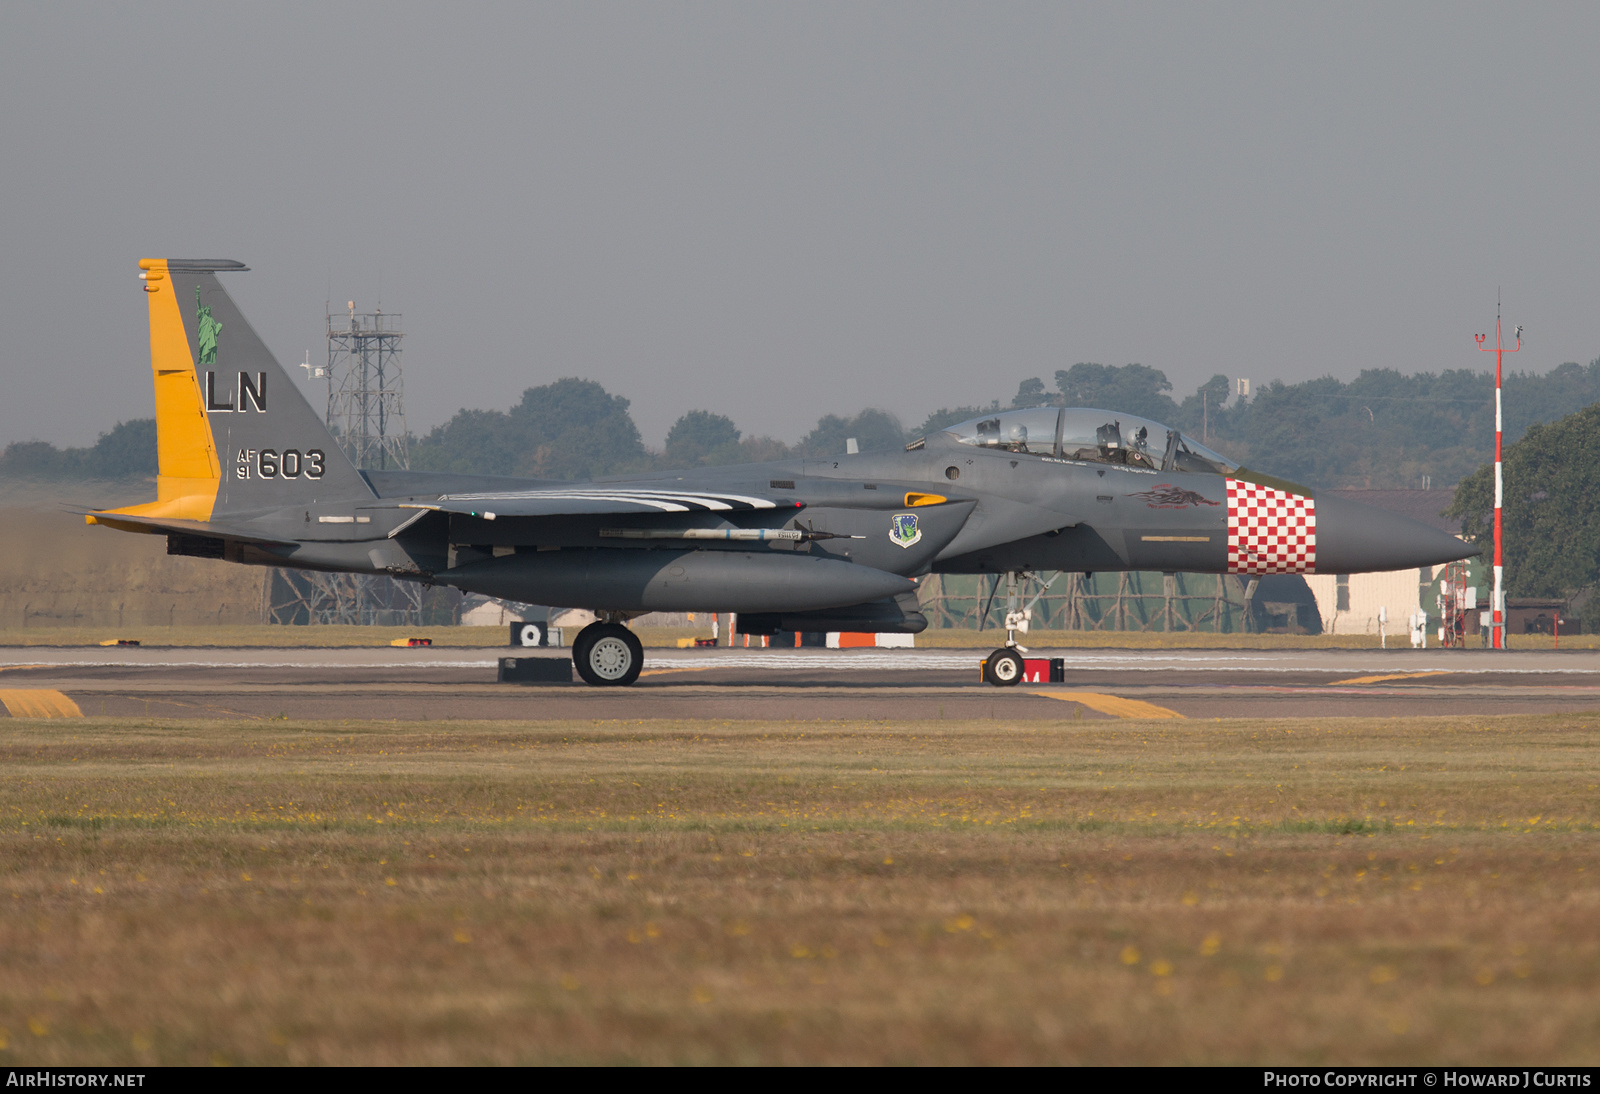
(1497, 606)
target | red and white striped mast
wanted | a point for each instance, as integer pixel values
(1497, 633)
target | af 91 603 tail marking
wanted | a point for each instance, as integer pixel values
(290, 463)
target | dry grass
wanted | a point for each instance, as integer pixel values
(1293, 892)
(260, 635)
(57, 572)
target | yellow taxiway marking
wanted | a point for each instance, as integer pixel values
(1114, 705)
(691, 668)
(38, 703)
(1386, 679)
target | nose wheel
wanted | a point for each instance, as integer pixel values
(1003, 668)
(607, 655)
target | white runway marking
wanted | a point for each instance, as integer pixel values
(1336, 663)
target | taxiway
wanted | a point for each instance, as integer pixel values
(441, 684)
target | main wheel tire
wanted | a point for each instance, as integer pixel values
(1004, 668)
(607, 655)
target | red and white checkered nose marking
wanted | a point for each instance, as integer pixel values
(1270, 531)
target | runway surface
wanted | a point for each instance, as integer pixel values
(437, 684)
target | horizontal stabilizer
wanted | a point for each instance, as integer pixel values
(206, 265)
(129, 522)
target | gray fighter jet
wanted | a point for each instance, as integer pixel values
(249, 473)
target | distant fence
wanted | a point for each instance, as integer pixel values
(1139, 601)
(301, 598)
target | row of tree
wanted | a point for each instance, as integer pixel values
(575, 429)
(128, 450)
(1387, 430)
(1383, 429)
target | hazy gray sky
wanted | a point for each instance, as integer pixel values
(779, 210)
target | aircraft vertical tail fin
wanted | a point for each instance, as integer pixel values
(233, 432)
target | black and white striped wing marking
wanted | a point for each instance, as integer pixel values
(575, 500)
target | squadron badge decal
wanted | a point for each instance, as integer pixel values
(903, 529)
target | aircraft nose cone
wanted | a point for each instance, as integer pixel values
(1353, 538)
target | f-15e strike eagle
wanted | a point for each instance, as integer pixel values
(249, 473)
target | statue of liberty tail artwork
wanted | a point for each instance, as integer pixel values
(209, 328)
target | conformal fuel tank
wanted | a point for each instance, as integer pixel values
(676, 581)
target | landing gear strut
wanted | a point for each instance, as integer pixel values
(607, 654)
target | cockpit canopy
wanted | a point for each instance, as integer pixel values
(1094, 436)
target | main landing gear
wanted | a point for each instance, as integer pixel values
(607, 654)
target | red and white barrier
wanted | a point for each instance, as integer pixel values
(849, 640)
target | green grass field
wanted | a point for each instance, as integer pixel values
(1293, 892)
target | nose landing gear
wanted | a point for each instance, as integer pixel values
(607, 654)
(1004, 668)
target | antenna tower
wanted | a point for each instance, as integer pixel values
(1497, 603)
(366, 412)
(366, 398)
